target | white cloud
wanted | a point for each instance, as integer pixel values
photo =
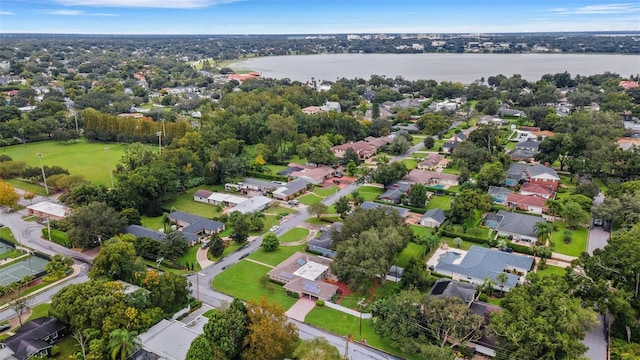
(599, 9)
(77, 13)
(6, 13)
(174, 4)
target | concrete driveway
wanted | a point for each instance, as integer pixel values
(301, 308)
(598, 238)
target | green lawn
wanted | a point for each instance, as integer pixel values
(39, 311)
(343, 324)
(410, 163)
(310, 199)
(293, 235)
(243, 281)
(552, 270)
(69, 346)
(275, 169)
(417, 139)
(351, 301)
(190, 258)
(80, 157)
(420, 230)
(578, 242)
(6, 234)
(23, 185)
(412, 251)
(439, 202)
(153, 223)
(233, 247)
(466, 245)
(369, 193)
(326, 192)
(11, 254)
(275, 257)
(185, 202)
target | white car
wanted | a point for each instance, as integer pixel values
(274, 228)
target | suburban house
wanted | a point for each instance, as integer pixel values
(195, 227)
(170, 339)
(140, 231)
(322, 244)
(537, 190)
(499, 194)
(525, 151)
(490, 120)
(431, 178)
(432, 162)
(543, 175)
(395, 192)
(33, 339)
(530, 203)
(306, 275)
(312, 110)
(449, 146)
(315, 175)
(379, 142)
(450, 288)
(480, 262)
(516, 174)
(48, 210)
(367, 205)
(364, 149)
(504, 110)
(433, 218)
(253, 204)
(331, 106)
(258, 185)
(459, 137)
(244, 205)
(519, 227)
(291, 189)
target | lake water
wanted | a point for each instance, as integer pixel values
(464, 68)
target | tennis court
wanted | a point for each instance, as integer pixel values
(4, 248)
(19, 270)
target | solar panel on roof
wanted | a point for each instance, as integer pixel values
(286, 275)
(301, 261)
(311, 287)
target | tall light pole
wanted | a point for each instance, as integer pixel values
(109, 160)
(159, 135)
(44, 177)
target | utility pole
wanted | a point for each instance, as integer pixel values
(44, 177)
(159, 135)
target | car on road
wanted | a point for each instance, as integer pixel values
(1, 225)
(274, 228)
(5, 327)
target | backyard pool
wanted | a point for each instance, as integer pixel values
(449, 257)
(438, 186)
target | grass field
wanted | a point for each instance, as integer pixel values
(243, 281)
(552, 270)
(410, 163)
(326, 192)
(310, 199)
(154, 223)
(7, 234)
(343, 324)
(293, 235)
(275, 257)
(38, 311)
(439, 202)
(190, 258)
(185, 202)
(370, 192)
(578, 242)
(80, 157)
(34, 188)
(412, 251)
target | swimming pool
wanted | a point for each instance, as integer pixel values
(449, 257)
(438, 186)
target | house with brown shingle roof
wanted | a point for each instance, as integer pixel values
(530, 203)
(431, 162)
(430, 178)
(305, 275)
(537, 190)
(364, 149)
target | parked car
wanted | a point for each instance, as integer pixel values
(337, 182)
(274, 228)
(294, 202)
(205, 244)
(5, 327)
(507, 249)
(337, 174)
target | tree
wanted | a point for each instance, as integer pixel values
(469, 155)
(451, 321)
(19, 303)
(432, 124)
(174, 246)
(317, 150)
(502, 279)
(491, 175)
(317, 209)
(385, 174)
(541, 321)
(216, 247)
(270, 242)
(88, 223)
(169, 293)
(543, 252)
(399, 145)
(116, 261)
(226, 330)
(29, 195)
(458, 242)
(343, 206)
(200, 349)
(464, 205)
(429, 142)
(488, 285)
(271, 336)
(543, 231)
(132, 216)
(58, 266)
(240, 230)
(351, 155)
(121, 344)
(574, 214)
(418, 196)
(316, 349)
(351, 168)
(8, 195)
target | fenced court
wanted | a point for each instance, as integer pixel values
(4, 248)
(14, 272)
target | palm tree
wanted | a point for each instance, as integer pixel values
(502, 278)
(543, 231)
(488, 285)
(502, 244)
(543, 252)
(121, 344)
(554, 206)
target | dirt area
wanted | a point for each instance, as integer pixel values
(413, 218)
(343, 182)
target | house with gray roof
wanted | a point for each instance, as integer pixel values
(367, 205)
(323, 244)
(140, 231)
(450, 288)
(480, 262)
(171, 340)
(518, 226)
(433, 218)
(32, 339)
(258, 185)
(291, 189)
(516, 173)
(195, 227)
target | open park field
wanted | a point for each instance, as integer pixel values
(79, 157)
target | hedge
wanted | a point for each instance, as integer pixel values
(469, 238)
(57, 237)
(411, 208)
(260, 175)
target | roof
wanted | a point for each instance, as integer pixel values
(499, 190)
(368, 205)
(435, 214)
(202, 193)
(357, 146)
(28, 339)
(314, 174)
(253, 204)
(450, 144)
(139, 231)
(228, 198)
(517, 223)
(431, 160)
(393, 194)
(169, 339)
(535, 188)
(539, 169)
(293, 187)
(50, 208)
(425, 176)
(324, 241)
(480, 262)
(529, 200)
(529, 144)
(195, 222)
(396, 271)
(519, 154)
(261, 183)
(517, 171)
(451, 288)
(302, 270)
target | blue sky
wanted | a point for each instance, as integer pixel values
(314, 16)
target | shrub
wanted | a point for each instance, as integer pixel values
(57, 237)
(566, 236)
(320, 302)
(55, 350)
(483, 297)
